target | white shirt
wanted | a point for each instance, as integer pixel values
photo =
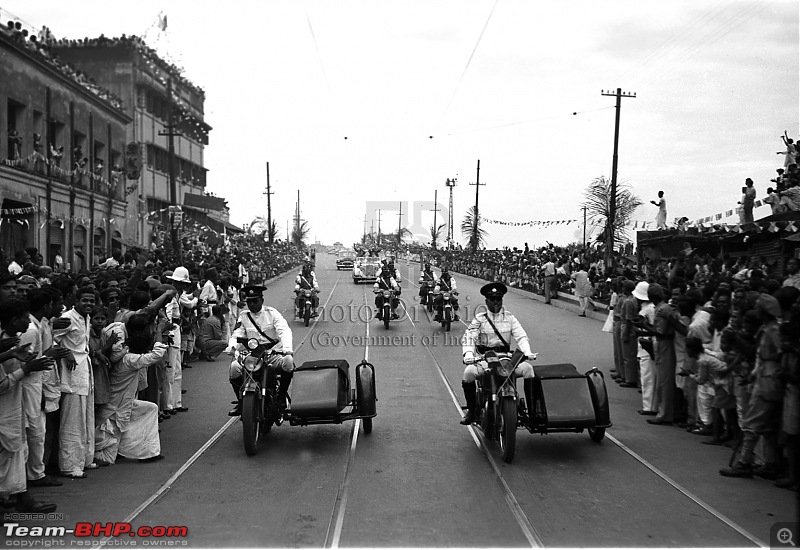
(480, 332)
(14, 268)
(271, 323)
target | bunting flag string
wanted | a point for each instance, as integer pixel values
(54, 167)
(544, 223)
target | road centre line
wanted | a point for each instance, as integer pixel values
(528, 530)
(752, 538)
(333, 537)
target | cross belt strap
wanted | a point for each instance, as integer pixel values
(271, 341)
(497, 332)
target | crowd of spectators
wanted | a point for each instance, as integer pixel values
(42, 44)
(92, 362)
(525, 268)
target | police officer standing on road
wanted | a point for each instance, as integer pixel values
(492, 330)
(268, 326)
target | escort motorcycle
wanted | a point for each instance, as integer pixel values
(320, 393)
(429, 294)
(385, 312)
(564, 400)
(445, 310)
(260, 407)
(304, 306)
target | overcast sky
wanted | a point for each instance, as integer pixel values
(356, 102)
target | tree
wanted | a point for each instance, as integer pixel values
(598, 209)
(300, 233)
(436, 232)
(400, 234)
(271, 233)
(473, 232)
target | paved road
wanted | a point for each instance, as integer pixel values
(421, 479)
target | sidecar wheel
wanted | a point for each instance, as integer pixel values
(597, 434)
(365, 394)
(251, 423)
(508, 428)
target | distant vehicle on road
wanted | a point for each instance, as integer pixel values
(345, 259)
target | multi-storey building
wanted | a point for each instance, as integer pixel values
(62, 139)
(160, 101)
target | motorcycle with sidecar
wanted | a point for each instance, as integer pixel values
(564, 400)
(320, 393)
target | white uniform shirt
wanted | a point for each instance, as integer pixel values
(271, 323)
(480, 332)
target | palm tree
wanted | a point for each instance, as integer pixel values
(598, 210)
(400, 234)
(300, 233)
(271, 233)
(473, 232)
(436, 232)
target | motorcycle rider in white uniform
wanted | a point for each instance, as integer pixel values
(305, 280)
(268, 326)
(481, 337)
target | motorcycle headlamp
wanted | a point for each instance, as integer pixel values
(252, 344)
(386, 294)
(308, 293)
(250, 363)
(505, 367)
(446, 295)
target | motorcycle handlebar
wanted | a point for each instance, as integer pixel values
(478, 357)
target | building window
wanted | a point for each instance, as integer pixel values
(15, 113)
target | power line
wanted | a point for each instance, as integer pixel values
(474, 49)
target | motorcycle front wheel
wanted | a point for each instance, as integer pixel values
(251, 422)
(387, 316)
(508, 428)
(446, 320)
(307, 315)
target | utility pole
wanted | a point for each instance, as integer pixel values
(435, 210)
(379, 227)
(297, 219)
(612, 211)
(450, 183)
(269, 208)
(400, 225)
(477, 185)
(173, 191)
(584, 230)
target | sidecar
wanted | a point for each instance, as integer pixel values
(321, 393)
(568, 401)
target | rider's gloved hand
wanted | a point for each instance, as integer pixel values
(532, 356)
(469, 358)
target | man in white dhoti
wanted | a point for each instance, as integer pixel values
(76, 431)
(14, 319)
(127, 426)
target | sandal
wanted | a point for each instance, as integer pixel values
(75, 476)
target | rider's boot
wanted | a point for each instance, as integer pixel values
(237, 389)
(528, 389)
(472, 405)
(283, 389)
(395, 315)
